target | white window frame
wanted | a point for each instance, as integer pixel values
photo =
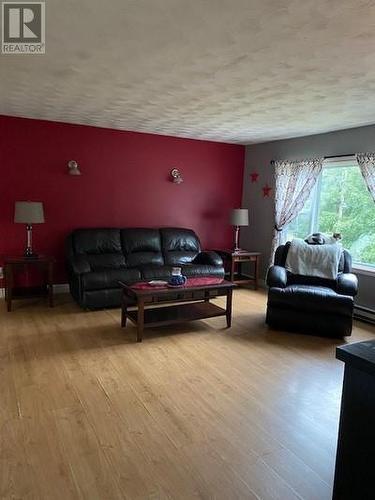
(334, 162)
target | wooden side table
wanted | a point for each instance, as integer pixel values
(234, 262)
(12, 264)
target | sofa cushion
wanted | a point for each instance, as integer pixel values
(145, 258)
(311, 281)
(97, 241)
(189, 270)
(109, 278)
(105, 261)
(180, 246)
(317, 299)
(142, 246)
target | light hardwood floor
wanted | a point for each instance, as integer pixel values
(195, 411)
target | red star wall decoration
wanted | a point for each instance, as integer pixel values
(254, 176)
(266, 191)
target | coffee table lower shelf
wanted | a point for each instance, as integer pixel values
(168, 315)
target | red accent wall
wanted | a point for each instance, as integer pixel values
(124, 182)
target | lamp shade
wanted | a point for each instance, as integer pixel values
(239, 217)
(29, 212)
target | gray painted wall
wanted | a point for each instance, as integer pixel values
(258, 235)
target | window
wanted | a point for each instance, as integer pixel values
(340, 203)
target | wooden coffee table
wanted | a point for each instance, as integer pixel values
(196, 304)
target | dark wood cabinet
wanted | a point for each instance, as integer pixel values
(355, 457)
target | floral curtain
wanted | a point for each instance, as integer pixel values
(366, 162)
(294, 181)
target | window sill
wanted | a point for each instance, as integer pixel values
(362, 269)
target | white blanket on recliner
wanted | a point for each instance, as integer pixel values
(313, 260)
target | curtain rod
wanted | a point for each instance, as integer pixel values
(329, 157)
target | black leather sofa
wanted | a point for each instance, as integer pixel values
(309, 304)
(97, 259)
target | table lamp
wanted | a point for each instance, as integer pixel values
(239, 217)
(29, 213)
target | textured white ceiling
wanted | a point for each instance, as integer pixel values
(228, 70)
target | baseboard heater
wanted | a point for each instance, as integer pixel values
(364, 314)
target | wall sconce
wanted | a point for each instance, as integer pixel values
(176, 176)
(73, 168)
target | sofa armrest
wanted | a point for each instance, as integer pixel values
(79, 265)
(277, 277)
(347, 284)
(209, 258)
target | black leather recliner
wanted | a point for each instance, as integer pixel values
(309, 304)
(97, 259)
